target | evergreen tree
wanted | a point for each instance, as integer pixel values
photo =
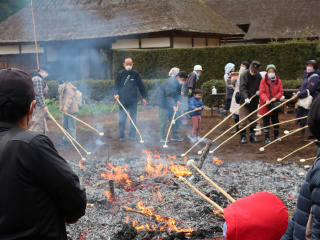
(10, 7)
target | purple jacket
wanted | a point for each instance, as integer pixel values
(312, 83)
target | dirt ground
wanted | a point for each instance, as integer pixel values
(148, 125)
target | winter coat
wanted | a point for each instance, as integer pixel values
(190, 83)
(260, 216)
(307, 199)
(68, 102)
(126, 85)
(264, 93)
(170, 93)
(249, 85)
(229, 86)
(193, 104)
(234, 105)
(39, 188)
(312, 83)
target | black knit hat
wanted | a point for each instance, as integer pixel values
(16, 86)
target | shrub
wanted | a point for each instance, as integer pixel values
(289, 58)
(221, 88)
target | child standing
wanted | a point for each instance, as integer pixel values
(195, 103)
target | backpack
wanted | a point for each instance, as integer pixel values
(78, 97)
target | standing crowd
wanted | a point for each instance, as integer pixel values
(43, 192)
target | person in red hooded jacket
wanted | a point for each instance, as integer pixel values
(270, 84)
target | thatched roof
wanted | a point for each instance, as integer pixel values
(59, 20)
(272, 18)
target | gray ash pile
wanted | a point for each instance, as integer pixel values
(148, 201)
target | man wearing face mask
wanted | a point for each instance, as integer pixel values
(126, 84)
(169, 100)
(68, 104)
(41, 190)
(249, 86)
(41, 107)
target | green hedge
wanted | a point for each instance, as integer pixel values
(289, 58)
(103, 90)
(221, 88)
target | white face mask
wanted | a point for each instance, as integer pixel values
(271, 75)
(128, 68)
(62, 85)
(310, 69)
(44, 74)
(181, 82)
(242, 68)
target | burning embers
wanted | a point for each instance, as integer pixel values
(170, 223)
(155, 167)
(118, 175)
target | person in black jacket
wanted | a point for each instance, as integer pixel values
(169, 101)
(40, 192)
(308, 199)
(126, 85)
(249, 86)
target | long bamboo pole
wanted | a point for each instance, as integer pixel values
(276, 140)
(280, 159)
(100, 133)
(281, 123)
(182, 179)
(184, 154)
(307, 159)
(65, 132)
(250, 123)
(113, 106)
(141, 140)
(35, 36)
(165, 144)
(61, 128)
(191, 163)
(174, 121)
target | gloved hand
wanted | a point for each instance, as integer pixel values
(190, 92)
(257, 93)
(247, 100)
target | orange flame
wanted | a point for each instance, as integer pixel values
(185, 159)
(81, 166)
(148, 211)
(127, 219)
(118, 175)
(217, 161)
(109, 196)
(162, 169)
(179, 170)
(156, 154)
(217, 212)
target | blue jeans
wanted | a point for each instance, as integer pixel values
(132, 110)
(69, 124)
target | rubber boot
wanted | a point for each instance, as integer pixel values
(266, 137)
(252, 136)
(243, 137)
(276, 135)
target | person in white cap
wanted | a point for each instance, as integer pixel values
(193, 77)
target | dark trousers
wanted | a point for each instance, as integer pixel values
(227, 104)
(274, 120)
(164, 115)
(132, 110)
